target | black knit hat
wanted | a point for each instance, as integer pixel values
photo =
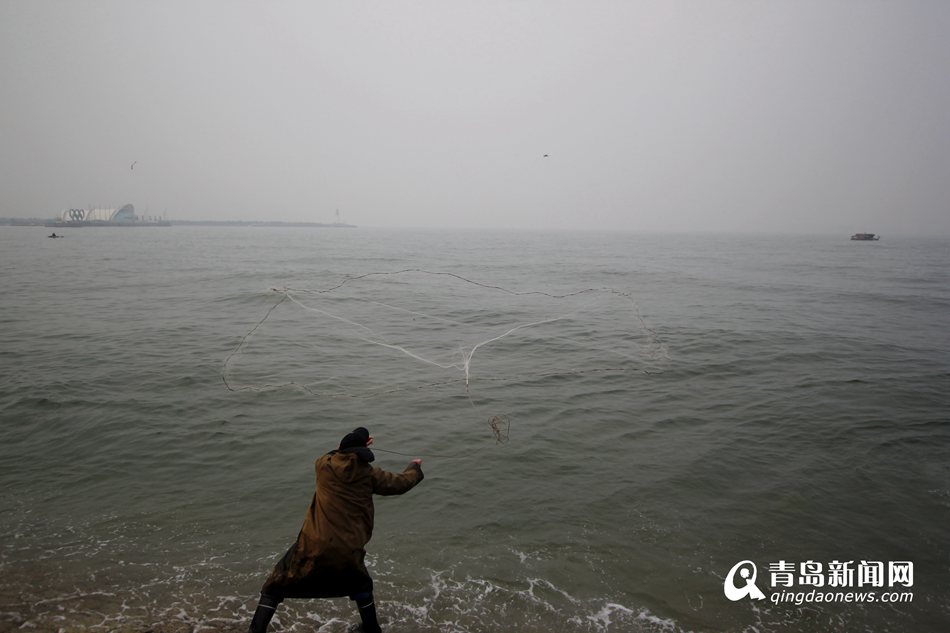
(357, 439)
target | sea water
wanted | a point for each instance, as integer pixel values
(782, 400)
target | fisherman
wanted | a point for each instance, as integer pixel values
(327, 561)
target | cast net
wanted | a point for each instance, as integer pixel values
(440, 334)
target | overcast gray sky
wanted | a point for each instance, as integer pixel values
(789, 116)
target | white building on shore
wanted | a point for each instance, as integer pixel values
(100, 216)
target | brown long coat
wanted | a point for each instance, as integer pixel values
(327, 559)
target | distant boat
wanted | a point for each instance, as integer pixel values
(865, 237)
(55, 236)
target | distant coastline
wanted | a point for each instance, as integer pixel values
(258, 223)
(331, 225)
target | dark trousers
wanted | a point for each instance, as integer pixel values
(268, 606)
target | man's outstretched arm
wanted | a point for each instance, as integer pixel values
(387, 483)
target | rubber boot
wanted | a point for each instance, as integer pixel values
(262, 615)
(367, 607)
